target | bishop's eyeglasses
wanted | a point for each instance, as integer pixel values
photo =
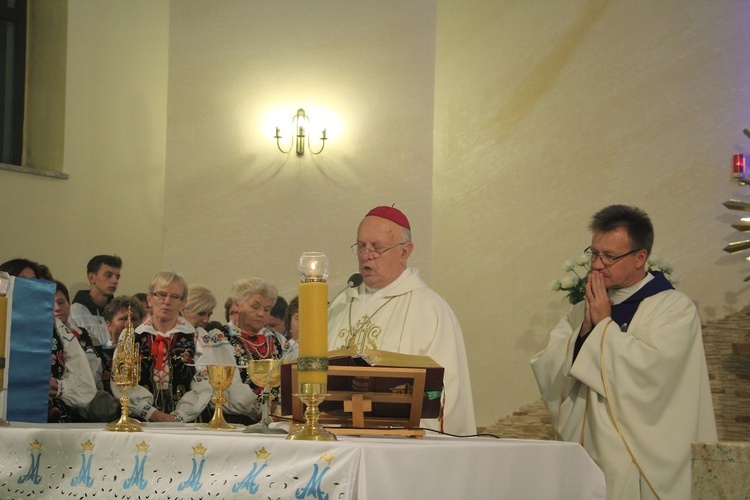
(607, 260)
(360, 248)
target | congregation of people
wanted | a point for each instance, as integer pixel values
(173, 331)
(177, 340)
(624, 373)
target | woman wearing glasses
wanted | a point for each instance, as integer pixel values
(167, 345)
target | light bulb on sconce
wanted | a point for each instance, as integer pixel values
(301, 124)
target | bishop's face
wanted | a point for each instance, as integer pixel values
(381, 268)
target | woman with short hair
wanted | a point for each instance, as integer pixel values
(167, 346)
(245, 340)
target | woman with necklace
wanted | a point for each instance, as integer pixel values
(167, 345)
(245, 340)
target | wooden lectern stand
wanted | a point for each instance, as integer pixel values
(357, 403)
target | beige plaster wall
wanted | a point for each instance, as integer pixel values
(235, 205)
(115, 128)
(546, 112)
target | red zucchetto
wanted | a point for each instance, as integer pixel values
(392, 214)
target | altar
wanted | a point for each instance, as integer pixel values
(182, 461)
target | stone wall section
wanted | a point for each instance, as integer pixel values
(727, 345)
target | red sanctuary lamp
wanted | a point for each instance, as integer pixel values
(738, 166)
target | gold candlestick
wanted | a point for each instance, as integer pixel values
(312, 363)
(312, 430)
(126, 373)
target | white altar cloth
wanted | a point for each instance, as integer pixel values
(450, 468)
(183, 461)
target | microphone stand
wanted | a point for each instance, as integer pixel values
(262, 426)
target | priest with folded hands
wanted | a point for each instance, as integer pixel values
(624, 373)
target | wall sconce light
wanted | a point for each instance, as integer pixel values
(301, 125)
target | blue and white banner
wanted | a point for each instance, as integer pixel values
(29, 339)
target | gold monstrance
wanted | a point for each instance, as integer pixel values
(126, 372)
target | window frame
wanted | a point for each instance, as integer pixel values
(18, 16)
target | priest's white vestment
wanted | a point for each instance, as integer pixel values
(410, 318)
(651, 381)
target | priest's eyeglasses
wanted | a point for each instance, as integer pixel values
(607, 260)
(361, 248)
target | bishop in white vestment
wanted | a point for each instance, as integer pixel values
(394, 310)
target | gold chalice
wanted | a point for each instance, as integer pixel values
(259, 371)
(220, 378)
(264, 373)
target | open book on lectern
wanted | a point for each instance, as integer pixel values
(374, 385)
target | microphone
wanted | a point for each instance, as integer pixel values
(355, 280)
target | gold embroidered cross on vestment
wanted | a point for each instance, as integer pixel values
(365, 335)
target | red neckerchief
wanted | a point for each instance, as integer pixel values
(76, 333)
(159, 346)
(248, 336)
